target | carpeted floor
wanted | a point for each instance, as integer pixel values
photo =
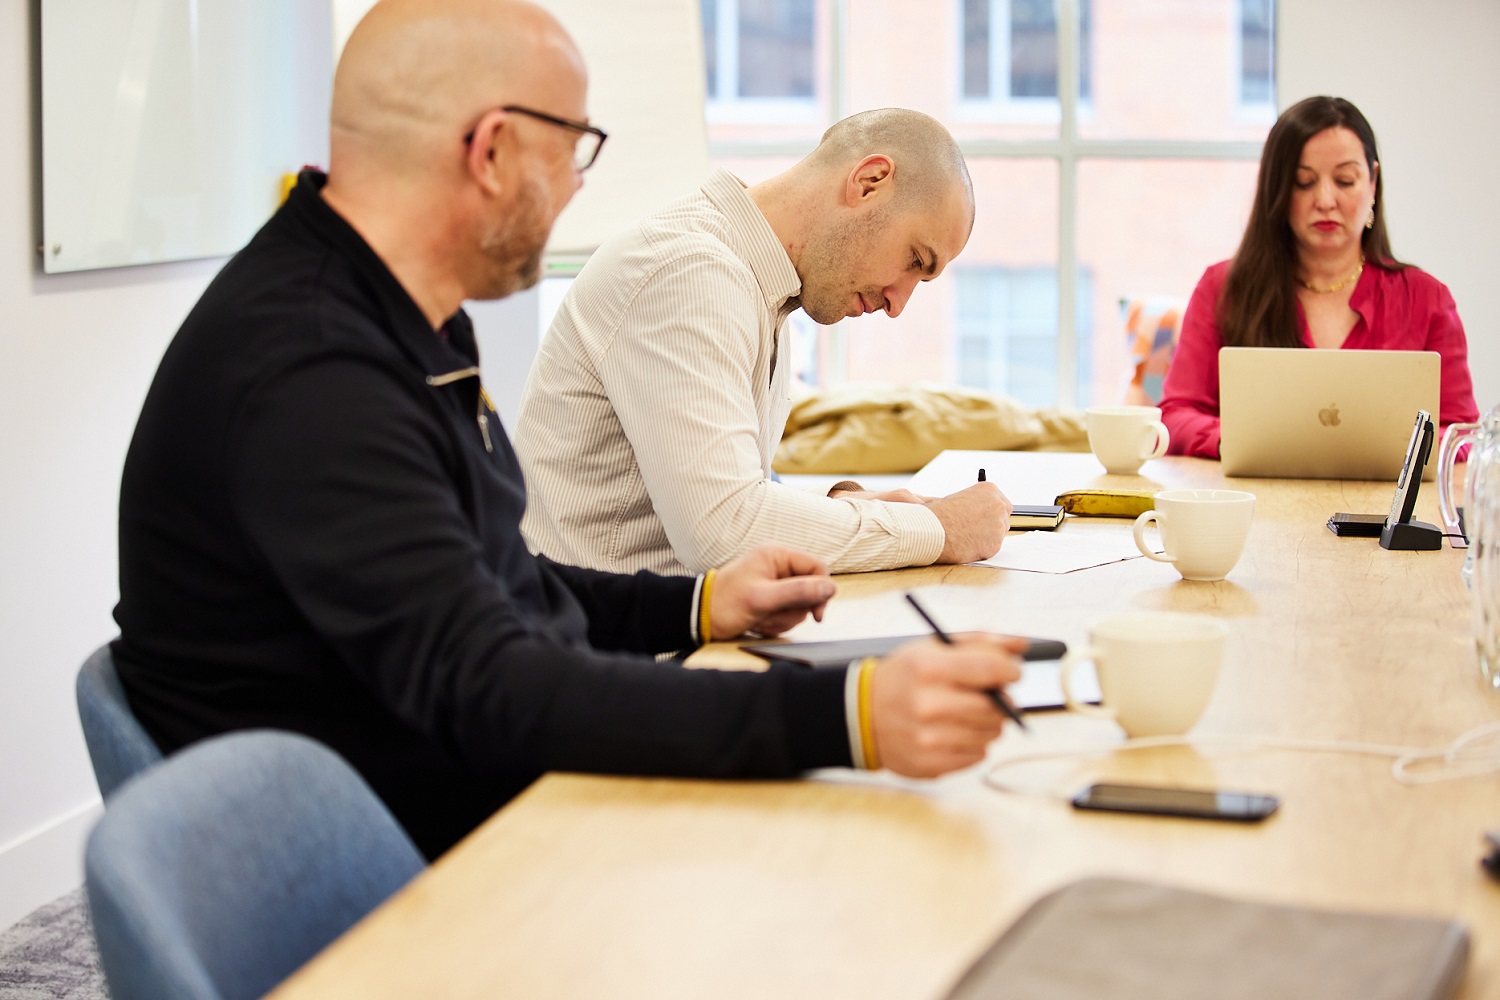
(50, 955)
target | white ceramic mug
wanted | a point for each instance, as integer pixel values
(1156, 670)
(1122, 437)
(1202, 531)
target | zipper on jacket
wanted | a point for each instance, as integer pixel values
(482, 402)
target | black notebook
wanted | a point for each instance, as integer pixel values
(1108, 939)
(1026, 517)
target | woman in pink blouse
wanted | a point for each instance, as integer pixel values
(1314, 269)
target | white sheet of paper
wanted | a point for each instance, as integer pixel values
(1066, 550)
(1040, 685)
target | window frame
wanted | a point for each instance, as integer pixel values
(1066, 150)
(1004, 109)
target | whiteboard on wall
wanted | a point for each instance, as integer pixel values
(167, 125)
(646, 89)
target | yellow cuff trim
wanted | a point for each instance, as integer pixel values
(705, 604)
(866, 724)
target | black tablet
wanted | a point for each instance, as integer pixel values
(842, 652)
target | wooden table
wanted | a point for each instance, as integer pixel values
(864, 886)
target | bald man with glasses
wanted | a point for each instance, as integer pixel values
(320, 516)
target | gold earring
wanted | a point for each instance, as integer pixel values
(1370, 222)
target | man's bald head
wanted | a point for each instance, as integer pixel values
(928, 165)
(882, 204)
(455, 193)
(416, 74)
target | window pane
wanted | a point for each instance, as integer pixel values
(1006, 321)
(772, 70)
(1085, 50)
(1166, 69)
(1033, 48)
(710, 9)
(976, 49)
(919, 55)
(1256, 32)
(776, 48)
(1006, 331)
(1146, 232)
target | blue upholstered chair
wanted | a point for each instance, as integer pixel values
(219, 872)
(118, 746)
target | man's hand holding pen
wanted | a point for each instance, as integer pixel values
(932, 705)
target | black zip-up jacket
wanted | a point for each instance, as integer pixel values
(320, 531)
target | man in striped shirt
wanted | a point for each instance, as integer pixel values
(656, 403)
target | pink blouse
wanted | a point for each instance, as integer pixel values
(1403, 310)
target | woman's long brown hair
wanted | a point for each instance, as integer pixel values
(1258, 307)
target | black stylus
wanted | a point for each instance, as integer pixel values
(1001, 702)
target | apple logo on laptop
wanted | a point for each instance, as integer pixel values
(1328, 416)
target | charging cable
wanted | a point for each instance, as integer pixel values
(1474, 753)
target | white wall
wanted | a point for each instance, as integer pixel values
(1427, 78)
(77, 353)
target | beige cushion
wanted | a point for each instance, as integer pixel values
(885, 429)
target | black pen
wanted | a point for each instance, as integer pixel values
(981, 475)
(1001, 702)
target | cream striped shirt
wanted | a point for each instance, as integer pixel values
(655, 405)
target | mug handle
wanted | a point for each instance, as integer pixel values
(1147, 516)
(1453, 438)
(1163, 439)
(1070, 660)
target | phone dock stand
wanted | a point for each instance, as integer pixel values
(1411, 536)
(1401, 531)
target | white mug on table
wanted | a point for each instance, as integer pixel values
(1122, 437)
(1156, 670)
(1202, 531)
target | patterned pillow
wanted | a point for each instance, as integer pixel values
(1152, 325)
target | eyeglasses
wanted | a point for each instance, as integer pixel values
(590, 139)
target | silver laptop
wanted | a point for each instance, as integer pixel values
(1299, 413)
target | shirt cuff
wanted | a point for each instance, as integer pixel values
(851, 716)
(919, 533)
(694, 613)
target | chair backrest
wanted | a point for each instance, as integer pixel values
(118, 747)
(218, 873)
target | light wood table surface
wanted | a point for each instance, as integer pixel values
(865, 886)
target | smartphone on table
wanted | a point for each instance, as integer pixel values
(1244, 807)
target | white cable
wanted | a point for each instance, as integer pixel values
(1465, 757)
(1474, 753)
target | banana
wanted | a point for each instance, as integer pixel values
(1106, 503)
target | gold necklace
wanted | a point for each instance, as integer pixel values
(1337, 285)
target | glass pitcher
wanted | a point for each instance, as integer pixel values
(1482, 525)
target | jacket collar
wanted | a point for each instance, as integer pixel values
(436, 352)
